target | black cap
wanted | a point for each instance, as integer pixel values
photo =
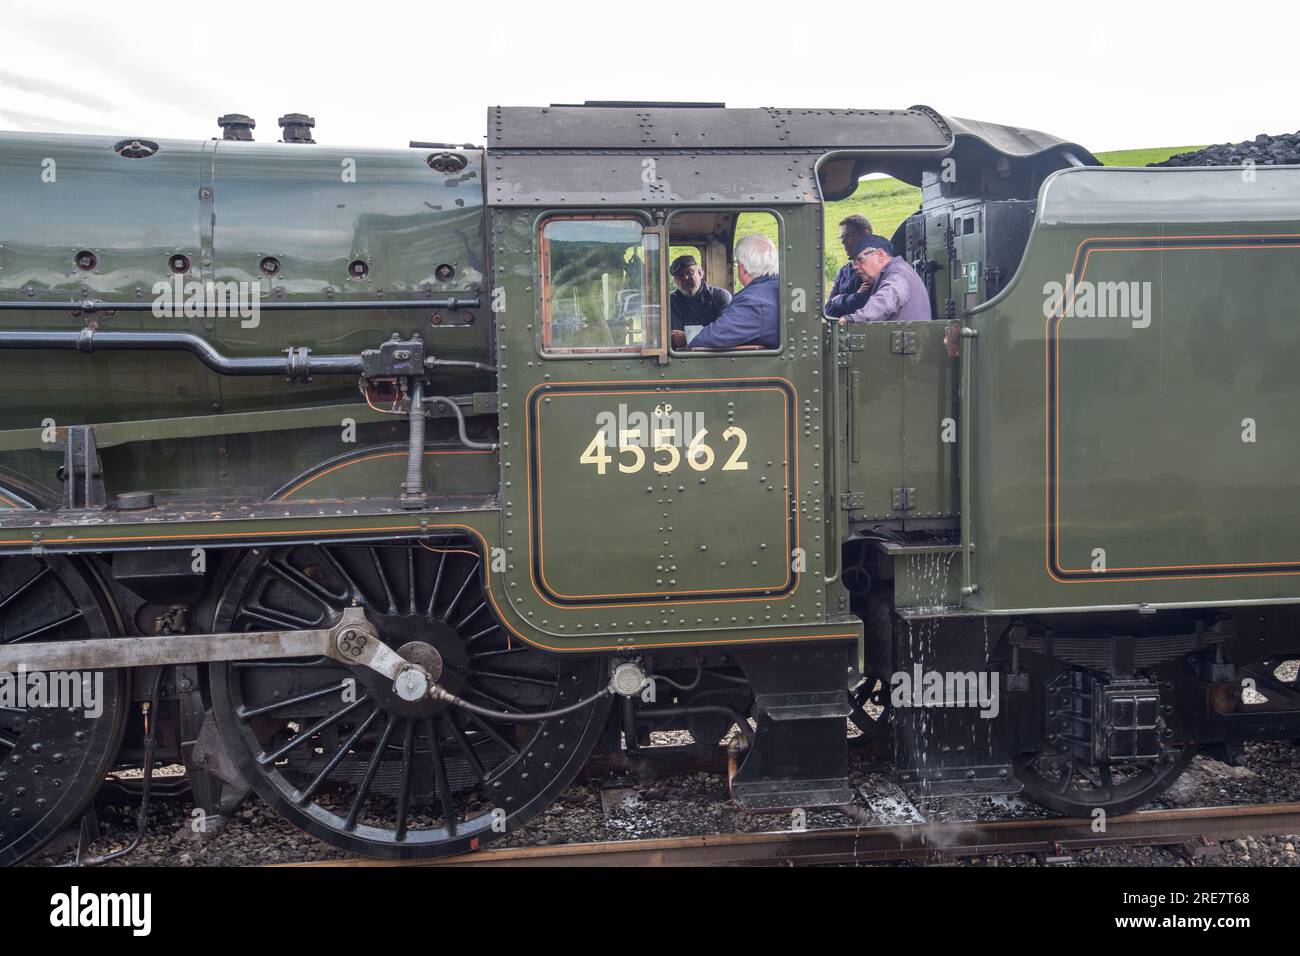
(871, 242)
(681, 264)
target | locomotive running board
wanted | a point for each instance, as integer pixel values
(350, 640)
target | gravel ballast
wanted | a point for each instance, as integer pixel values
(623, 808)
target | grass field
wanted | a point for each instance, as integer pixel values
(887, 202)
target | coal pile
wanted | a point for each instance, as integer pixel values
(1263, 150)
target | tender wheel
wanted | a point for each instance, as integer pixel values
(870, 703)
(1059, 782)
(52, 758)
(1048, 727)
(341, 756)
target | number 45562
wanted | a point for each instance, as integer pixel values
(665, 456)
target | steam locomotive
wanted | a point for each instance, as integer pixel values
(281, 423)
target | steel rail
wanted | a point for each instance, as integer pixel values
(934, 842)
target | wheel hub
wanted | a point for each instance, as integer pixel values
(437, 655)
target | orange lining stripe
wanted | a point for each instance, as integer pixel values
(690, 381)
(1048, 395)
(356, 461)
(487, 570)
(785, 436)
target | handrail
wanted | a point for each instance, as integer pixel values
(968, 585)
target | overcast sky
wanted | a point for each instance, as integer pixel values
(1109, 75)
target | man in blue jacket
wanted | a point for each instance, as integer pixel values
(754, 316)
(846, 294)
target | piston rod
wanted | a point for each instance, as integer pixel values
(352, 640)
(352, 630)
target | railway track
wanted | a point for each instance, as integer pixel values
(937, 842)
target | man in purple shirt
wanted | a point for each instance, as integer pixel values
(898, 294)
(846, 294)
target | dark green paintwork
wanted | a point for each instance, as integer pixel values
(1153, 466)
(615, 542)
(225, 205)
(838, 422)
(899, 389)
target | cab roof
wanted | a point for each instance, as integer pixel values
(593, 154)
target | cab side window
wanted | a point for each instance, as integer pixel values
(724, 270)
(601, 279)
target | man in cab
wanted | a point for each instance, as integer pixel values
(754, 316)
(695, 303)
(896, 292)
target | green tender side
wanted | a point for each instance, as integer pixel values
(1142, 454)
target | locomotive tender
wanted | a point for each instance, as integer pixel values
(370, 480)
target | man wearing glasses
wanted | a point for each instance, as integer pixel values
(896, 293)
(846, 295)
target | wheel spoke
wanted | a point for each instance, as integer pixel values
(521, 678)
(487, 728)
(464, 746)
(470, 616)
(314, 662)
(408, 765)
(410, 577)
(25, 587)
(363, 787)
(440, 777)
(446, 614)
(522, 649)
(245, 712)
(383, 580)
(494, 701)
(281, 619)
(304, 735)
(334, 761)
(303, 583)
(483, 633)
(1091, 774)
(437, 583)
(353, 594)
(1067, 777)
(47, 627)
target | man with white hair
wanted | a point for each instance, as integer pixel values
(754, 316)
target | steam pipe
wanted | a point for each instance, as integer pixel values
(460, 419)
(413, 495)
(294, 363)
